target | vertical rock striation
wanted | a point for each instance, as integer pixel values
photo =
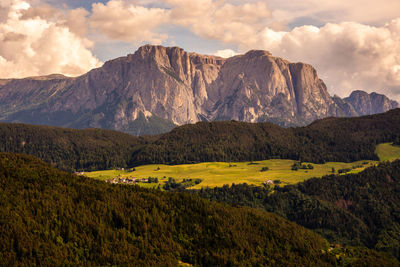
(158, 87)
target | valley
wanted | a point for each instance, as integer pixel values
(215, 174)
(199, 133)
(62, 219)
(86, 221)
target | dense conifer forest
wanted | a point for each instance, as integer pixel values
(49, 217)
(331, 139)
(70, 149)
(355, 209)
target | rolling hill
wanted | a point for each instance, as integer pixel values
(352, 209)
(50, 217)
(330, 139)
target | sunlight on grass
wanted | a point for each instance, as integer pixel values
(220, 173)
(388, 151)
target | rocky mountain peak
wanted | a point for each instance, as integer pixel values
(257, 53)
(162, 86)
(366, 104)
(176, 55)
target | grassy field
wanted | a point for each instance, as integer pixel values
(388, 152)
(220, 173)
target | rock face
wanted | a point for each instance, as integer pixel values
(157, 87)
(257, 86)
(366, 104)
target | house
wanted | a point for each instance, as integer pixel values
(268, 182)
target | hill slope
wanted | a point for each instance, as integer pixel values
(331, 139)
(49, 217)
(69, 149)
(356, 209)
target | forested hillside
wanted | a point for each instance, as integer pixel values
(356, 209)
(331, 139)
(69, 149)
(49, 217)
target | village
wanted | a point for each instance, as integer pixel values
(131, 180)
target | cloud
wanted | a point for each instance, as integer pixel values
(38, 39)
(327, 11)
(41, 12)
(226, 53)
(122, 21)
(141, 21)
(221, 20)
(347, 55)
(76, 21)
(34, 41)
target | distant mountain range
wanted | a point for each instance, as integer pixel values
(157, 88)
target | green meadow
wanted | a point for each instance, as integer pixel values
(388, 151)
(220, 173)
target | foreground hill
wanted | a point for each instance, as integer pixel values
(157, 88)
(49, 217)
(356, 209)
(330, 139)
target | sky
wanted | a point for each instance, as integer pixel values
(354, 45)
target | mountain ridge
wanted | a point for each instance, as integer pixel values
(176, 87)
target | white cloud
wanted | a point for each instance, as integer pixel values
(122, 21)
(133, 21)
(226, 53)
(348, 55)
(221, 20)
(76, 21)
(32, 44)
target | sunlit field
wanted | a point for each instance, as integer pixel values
(220, 173)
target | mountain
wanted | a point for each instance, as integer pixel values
(49, 217)
(157, 88)
(366, 104)
(329, 139)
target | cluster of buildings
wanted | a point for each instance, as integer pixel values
(268, 182)
(127, 180)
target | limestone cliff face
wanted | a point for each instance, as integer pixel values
(167, 86)
(257, 85)
(366, 104)
(166, 82)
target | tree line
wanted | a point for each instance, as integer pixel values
(330, 139)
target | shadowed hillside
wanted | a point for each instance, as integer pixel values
(331, 139)
(50, 217)
(357, 209)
